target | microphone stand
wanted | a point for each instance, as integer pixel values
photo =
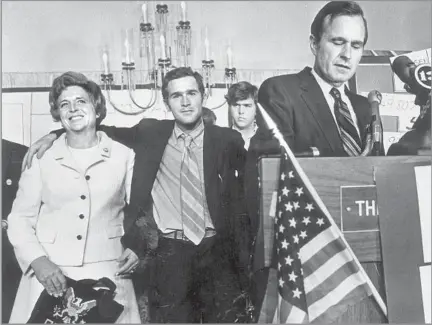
(374, 137)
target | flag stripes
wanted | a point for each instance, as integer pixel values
(318, 243)
(291, 313)
(329, 282)
(314, 274)
(324, 271)
(337, 310)
(336, 296)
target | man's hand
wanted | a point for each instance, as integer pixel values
(50, 276)
(39, 148)
(128, 262)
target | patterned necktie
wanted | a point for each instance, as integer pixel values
(192, 209)
(350, 138)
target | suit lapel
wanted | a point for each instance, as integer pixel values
(148, 159)
(62, 154)
(210, 156)
(6, 158)
(314, 99)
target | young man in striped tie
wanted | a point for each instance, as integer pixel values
(182, 210)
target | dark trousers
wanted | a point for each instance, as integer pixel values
(258, 289)
(11, 276)
(182, 286)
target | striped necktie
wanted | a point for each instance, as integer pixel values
(350, 138)
(192, 208)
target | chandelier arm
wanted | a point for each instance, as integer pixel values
(155, 97)
(151, 102)
(219, 106)
(107, 89)
(131, 89)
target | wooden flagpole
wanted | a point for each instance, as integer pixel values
(278, 135)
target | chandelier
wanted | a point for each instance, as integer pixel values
(159, 62)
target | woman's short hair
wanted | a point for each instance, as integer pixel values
(335, 9)
(72, 78)
(178, 73)
(241, 91)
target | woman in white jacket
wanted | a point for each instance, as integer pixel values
(67, 218)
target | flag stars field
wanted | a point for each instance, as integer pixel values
(306, 220)
(292, 276)
(281, 228)
(297, 293)
(299, 191)
(309, 207)
(281, 282)
(288, 260)
(292, 222)
(288, 207)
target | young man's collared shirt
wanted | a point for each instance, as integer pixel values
(246, 139)
(166, 188)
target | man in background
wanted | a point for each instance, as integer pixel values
(209, 117)
(12, 157)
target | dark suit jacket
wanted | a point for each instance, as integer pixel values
(413, 143)
(224, 159)
(418, 140)
(297, 105)
(12, 156)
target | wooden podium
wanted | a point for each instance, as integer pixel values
(347, 188)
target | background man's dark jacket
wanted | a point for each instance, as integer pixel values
(12, 156)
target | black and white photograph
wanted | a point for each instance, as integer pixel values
(216, 162)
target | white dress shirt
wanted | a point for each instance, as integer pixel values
(325, 87)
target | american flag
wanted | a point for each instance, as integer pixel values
(314, 277)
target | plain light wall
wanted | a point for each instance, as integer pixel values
(48, 36)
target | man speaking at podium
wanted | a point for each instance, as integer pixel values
(314, 107)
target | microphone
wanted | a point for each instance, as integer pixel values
(374, 130)
(417, 78)
(374, 98)
(403, 67)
